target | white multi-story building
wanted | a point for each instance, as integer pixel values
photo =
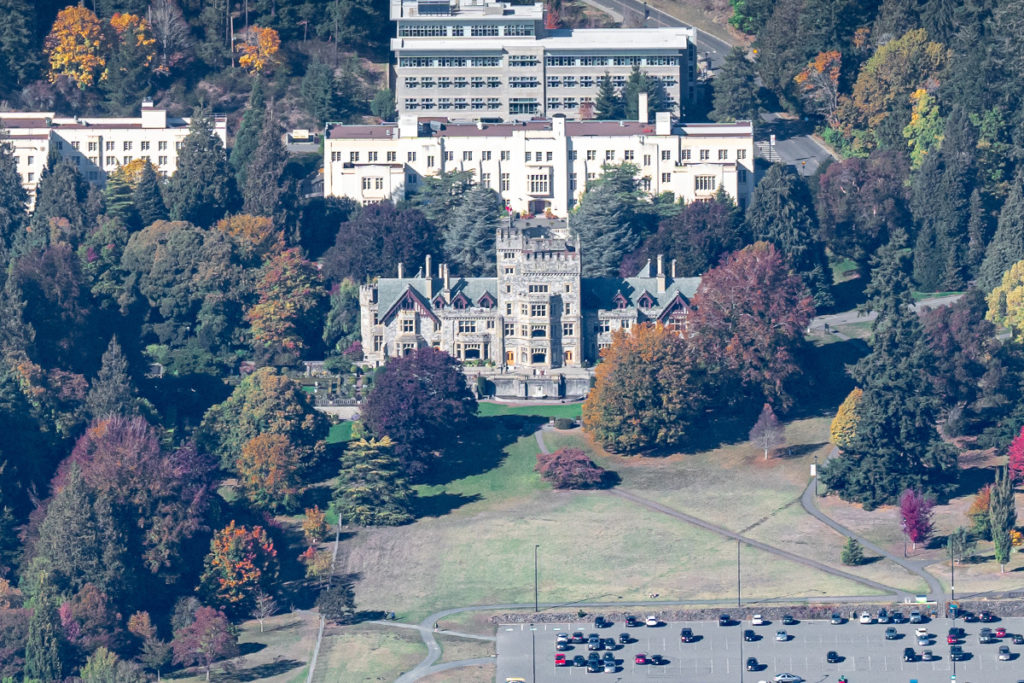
(495, 60)
(96, 145)
(543, 165)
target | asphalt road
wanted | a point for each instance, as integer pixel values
(720, 652)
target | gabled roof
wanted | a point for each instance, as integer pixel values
(410, 293)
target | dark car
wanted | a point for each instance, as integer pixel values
(595, 667)
(891, 633)
(593, 657)
(752, 664)
(897, 617)
(985, 636)
(956, 653)
(632, 621)
(987, 617)
(625, 638)
(608, 643)
(608, 657)
(577, 637)
(599, 622)
(561, 645)
(657, 660)
(579, 660)
(969, 617)
(724, 620)
(686, 635)
(909, 655)
(749, 635)
(832, 657)
(1018, 639)
(788, 620)
(837, 618)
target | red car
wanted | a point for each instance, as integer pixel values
(560, 660)
(640, 658)
(1001, 632)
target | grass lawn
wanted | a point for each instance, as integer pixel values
(925, 296)
(340, 433)
(472, 674)
(569, 410)
(369, 652)
(453, 648)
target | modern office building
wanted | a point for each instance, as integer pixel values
(497, 61)
(539, 166)
(97, 145)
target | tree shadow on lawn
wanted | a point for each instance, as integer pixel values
(440, 504)
(479, 449)
(972, 479)
(232, 672)
(799, 450)
(824, 382)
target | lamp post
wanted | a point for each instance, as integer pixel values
(952, 598)
(738, 573)
(536, 603)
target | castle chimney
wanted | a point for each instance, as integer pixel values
(673, 269)
(426, 267)
(401, 270)
(661, 269)
(430, 279)
(641, 108)
(660, 278)
(447, 279)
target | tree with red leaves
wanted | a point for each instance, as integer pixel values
(1016, 463)
(916, 516)
(751, 312)
(208, 638)
(570, 468)
(421, 401)
(241, 563)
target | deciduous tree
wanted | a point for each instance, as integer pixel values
(924, 132)
(1015, 463)
(210, 637)
(126, 76)
(371, 489)
(256, 237)
(314, 524)
(103, 666)
(75, 46)
(338, 603)
(241, 563)
(259, 50)
(819, 85)
(264, 607)
(978, 513)
(570, 468)
(375, 240)
(916, 516)
(272, 475)
(767, 433)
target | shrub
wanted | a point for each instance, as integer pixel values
(853, 553)
(564, 423)
(570, 468)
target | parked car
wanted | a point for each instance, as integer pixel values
(579, 660)
(757, 620)
(608, 657)
(921, 631)
(749, 635)
(1001, 632)
(560, 660)
(969, 617)
(651, 620)
(625, 638)
(610, 667)
(865, 618)
(787, 678)
(832, 657)
(956, 653)
(909, 655)
(599, 622)
(788, 620)
(837, 618)
(987, 617)
(577, 637)
(1004, 653)
(985, 636)
(924, 641)
(915, 617)
(608, 643)
(561, 645)
(752, 664)
(594, 643)
(897, 617)
(595, 667)
(593, 657)
(1018, 639)
(686, 635)
(781, 636)
(632, 621)
(724, 620)
(640, 658)
(891, 634)
(563, 636)
(657, 660)
(955, 635)
(883, 616)
(928, 656)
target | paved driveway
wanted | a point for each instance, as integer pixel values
(719, 654)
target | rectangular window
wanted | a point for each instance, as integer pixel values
(127, 145)
(548, 156)
(568, 329)
(538, 289)
(705, 154)
(647, 160)
(177, 146)
(378, 342)
(408, 325)
(467, 326)
(485, 155)
(602, 326)
(591, 154)
(126, 160)
(723, 155)
(666, 154)
(109, 146)
(467, 156)
(485, 179)
(162, 161)
(704, 183)
(144, 145)
(510, 329)
(645, 183)
(392, 156)
(666, 177)
(449, 156)
(572, 182)
(506, 155)
(686, 155)
(508, 309)
(539, 184)
(529, 157)
(74, 145)
(162, 146)
(353, 157)
(538, 310)
(367, 183)
(430, 160)
(628, 155)
(567, 308)
(609, 154)
(93, 146)
(378, 183)
(410, 157)
(741, 175)
(504, 182)
(741, 154)
(572, 155)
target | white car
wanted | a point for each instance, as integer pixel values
(651, 620)
(757, 620)
(787, 678)
(921, 632)
(865, 617)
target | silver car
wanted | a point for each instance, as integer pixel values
(1004, 653)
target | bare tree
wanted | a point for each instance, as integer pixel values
(767, 433)
(264, 607)
(171, 31)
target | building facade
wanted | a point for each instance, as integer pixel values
(496, 60)
(537, 314)
(98, 146)
(543, 165)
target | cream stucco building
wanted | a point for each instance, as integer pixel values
(96, 145)
(542, 164)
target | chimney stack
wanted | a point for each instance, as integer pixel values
(661, 269)
(673, 269)
(426, 267)
(430, 279)
(447, 278)
(660, 279)
(641, 108)
(401, 270)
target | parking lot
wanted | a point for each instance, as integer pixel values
(719, 653)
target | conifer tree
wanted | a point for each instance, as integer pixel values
(248, 134)
(43, 646)
(896, 444)
(112, 392)
(609, 105)
(1002, 515)
(318, 93)
(149, 203)
(13, 198)
(126, 79)
(119, 201)
(371, 490)
(19, 57)
(61, 194)
(782, 212)
(1007, 245)
(735, 89)
(603, 221)
(977, 233)
(469, 235)
(641, 82)
(263, 174)
(203, 188)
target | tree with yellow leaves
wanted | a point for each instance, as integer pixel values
(133, 48)
(924, 132)
(131, 173)
(845, 423)
(819, 84)
(259, 51)
(256, 236)
(272, 473)
(1006, 301)
(75, 46)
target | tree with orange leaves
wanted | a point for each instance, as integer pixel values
(75, 46)
(241, 562)
(259, 51)
(819, 84)
(271, 473)
(255, 236)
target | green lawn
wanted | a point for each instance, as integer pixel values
(340, 433)
(368, 652)
(569, 410)
(924, 296)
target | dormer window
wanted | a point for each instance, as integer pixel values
(620, 301)
(460, 301)
(438, 302)
(486, 301)
(646, 301)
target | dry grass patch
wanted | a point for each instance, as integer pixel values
(368, 652)
(476, 622)
(469, 674)
(454, 649)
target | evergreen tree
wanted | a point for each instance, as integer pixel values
(977, 233)
(371, 490)
(782, 212)
(896, 444)
(853, 553)
(1007, 245)
(246, 140)
(383, 105)
(61, 194)
(203, 188)
(604, 222)
(112, 391)
(19, 56)
(318, 95)
(43, 647)
(149, 203)
(119, 201)
(126, 77)
(13, 198)
(1002, 514)
(641, 82)
(735, 89)
(609, 105)
(264, 172)
(469, 235)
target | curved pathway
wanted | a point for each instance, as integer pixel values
(807, 500)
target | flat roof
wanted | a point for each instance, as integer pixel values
(597, 40)
(593, 128)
